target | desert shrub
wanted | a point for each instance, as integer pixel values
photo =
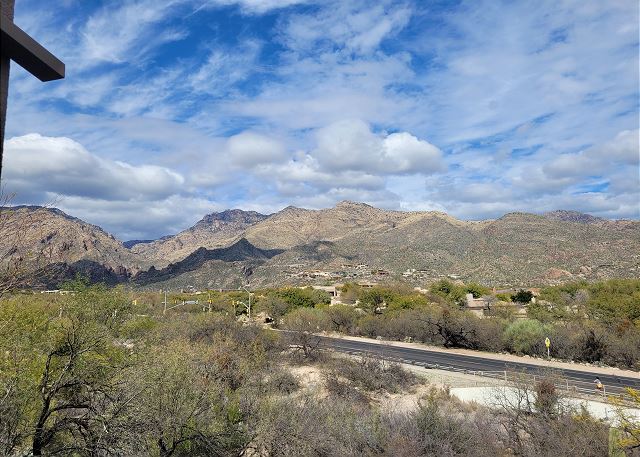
(343, 390)
(449, 327)
(608, 301)
(374, 298)
(566, 435)
(488, 334)
(409, 301)
(305, 427)
(342, 318)
(350, 292)
(370, 326)
(546, 397)
(301, 324)
(138, 327)
(373, 374)
(504, 310)
(525, 337)
(282, 381)
(572, 341)
(522, 296)
(275, 307)
(623, 348)
(187, 405)
(437, 428)
(546, 312)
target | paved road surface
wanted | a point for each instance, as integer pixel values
(583, 380)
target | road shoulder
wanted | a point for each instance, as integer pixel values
(613, 371)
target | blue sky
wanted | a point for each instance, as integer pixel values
(172, 109)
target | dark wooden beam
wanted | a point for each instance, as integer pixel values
(26, 52)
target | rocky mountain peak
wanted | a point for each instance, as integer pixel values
(348, 204)
(573, 216)
(233, 215)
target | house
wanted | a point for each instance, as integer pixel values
(331, 290)
(477, 305)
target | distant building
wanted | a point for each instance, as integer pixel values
(331, 290)
(477, 305)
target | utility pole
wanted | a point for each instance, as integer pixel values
(249, 307)
(164, 311)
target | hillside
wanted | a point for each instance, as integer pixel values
(39, 235)
(516, 249)
(215, 230)
(242, 254)
(352, 241)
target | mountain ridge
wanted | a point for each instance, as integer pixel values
(518, 248)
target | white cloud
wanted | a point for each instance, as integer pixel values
(224, 68)
(353, 26)
(602, 179)
(38, 165)
(249, 149)
(624, 149)
(129, 220)
(350, 145)
(123, 33)
(254, 6)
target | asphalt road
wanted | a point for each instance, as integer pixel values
(582, 380)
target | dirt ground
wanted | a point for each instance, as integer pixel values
(311, 378)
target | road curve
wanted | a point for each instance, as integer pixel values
(582, 379)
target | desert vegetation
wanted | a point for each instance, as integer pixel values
(104, 372)
(586, 322)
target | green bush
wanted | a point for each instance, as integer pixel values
(412, 301)
(307, 298)
(451, 292)
(477, 290)
(526, 336)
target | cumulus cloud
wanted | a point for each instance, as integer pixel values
(351, 145)
(39, 165)
(129, 220)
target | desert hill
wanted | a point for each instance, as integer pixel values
(38, 234)
(351, 241)
(213, 231)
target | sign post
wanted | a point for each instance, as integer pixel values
(547, 343)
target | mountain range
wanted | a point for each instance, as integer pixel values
(351, 241)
